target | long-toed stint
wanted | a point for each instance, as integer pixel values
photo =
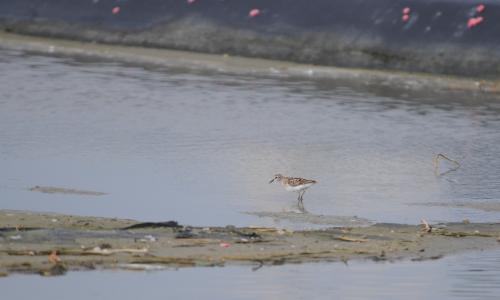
(291, 184)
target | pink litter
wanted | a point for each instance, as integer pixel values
(254, 13)
(474, 22)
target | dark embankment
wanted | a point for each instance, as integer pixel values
(455, 37)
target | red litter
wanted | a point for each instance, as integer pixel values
(405, 18)
(254, 13)
(191, 1)
(225, 245)
(406, 10)
(480, 8)
(115, 10)
(474, 22)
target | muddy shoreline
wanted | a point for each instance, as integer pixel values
(163, 58)
(52, 244)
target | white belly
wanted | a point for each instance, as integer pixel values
(298, 187)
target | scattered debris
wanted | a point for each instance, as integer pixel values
(148, 238)
(461, 234)
(350, 239)
(141, 267)
(434, 257)
(168, 224)
(225, 245)
(185, 234)
(115, 10)
(480, 8)
(260, 265)
(55, 270)
(254, 13)
(406, 14)
(105, 246)
(109, 247)
(100, 251)
(474, 21)
(425, 226)
(191, 1)
(17, 228)
(436, 164)
(53, 258)
(15, 237)
(57, 190)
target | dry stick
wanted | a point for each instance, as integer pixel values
(436, 164)
(99, 251)
(425, 226)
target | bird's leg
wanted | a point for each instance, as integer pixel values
(302, 195)
(301, 207)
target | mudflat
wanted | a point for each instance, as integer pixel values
(52, 244)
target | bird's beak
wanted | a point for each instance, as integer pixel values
(272, 180)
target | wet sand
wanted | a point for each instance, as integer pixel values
(52, 244)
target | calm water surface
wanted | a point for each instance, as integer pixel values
(470, 276)
(200, 147)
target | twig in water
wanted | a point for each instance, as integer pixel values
(425, 226)
(436, 164)
(260, 265)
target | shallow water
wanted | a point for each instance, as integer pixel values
(200, 147)
(468, 276)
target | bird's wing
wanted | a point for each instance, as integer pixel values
(299, 181)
